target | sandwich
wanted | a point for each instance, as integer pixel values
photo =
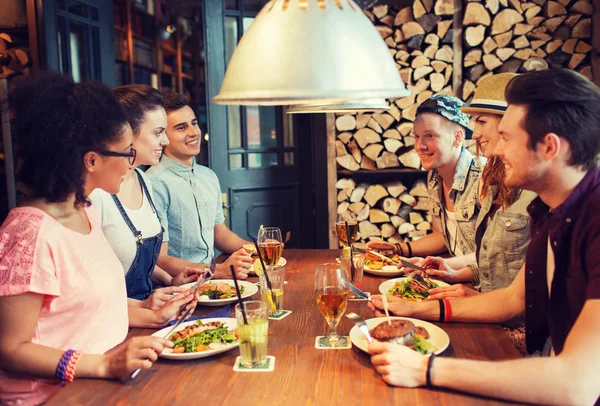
(404, 332)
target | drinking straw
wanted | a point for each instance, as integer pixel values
(352, 270)
(239, 294)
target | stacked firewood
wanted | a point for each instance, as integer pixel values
(519, 36)
(390, 211)
(14, 55)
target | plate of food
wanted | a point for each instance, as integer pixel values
(409, 288)
(378, 266)
(200, 338)
(419, 335)
(220, 292)
(257, 267)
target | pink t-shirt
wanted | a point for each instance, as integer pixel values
(81, 278)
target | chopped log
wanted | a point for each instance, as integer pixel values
(378, 216)
(344, 137)
(404, 129)
(428, 4)
(535, 21)
(423, 203)
(387, 230)
(345, 183)
(391, 205)
(534, 64)
(583, 7)
(489, 45)
(394, 112)
(347, 162)
(505, 53)
(522, 29)
(505, 20)
(424, 95)
(356, 207)
(582, 29)
(475, 72)
(408, 199)
(449, 37)
(410, 159)
(420, 61)
(389, 41)
(373, 150)
(473, 55)
(362, 120)
(416, 217)
(553, 45)
(562, 32)
(428, 217)
(532, 12)
(387, 160)
(404, 211)
(415, 235)
(374, 193)
(445, 54)
(405, 228)
(476, 13)
(405, 102)
(491, 62)
(443, 27)
(397, 221)
(392, 133)
(438, 66)
(587, 72)
(564, 2)
(384, 120)
(395, 188)
(406, 75)
(521, 42)
(398, 36)
(402, 55)
(411, 28)
(410, 113)
(492, 5)
(409, 141)
(444, 7)
(366, 136)
(428, 22)
(404, 15)
(553, 9)
(432, 39)
(437, 82)
(503, 39)
(384, 31)
(569, 46)
(553, 23)
(424, 226)
(572, 20)
(468, 89)
(430, 51)
(364, 213)
(537, 44)
(342, 195)
(368, 164)
(358, 193)
(380, 11)
(342, 207)
(419, 189)
(447, 75)
(374, 125)
(418, 9)
(540, 54)
(392, 145)
(355, 151)
(388, 20)
(524, 54)
(345, 123)
(516, 4)
(576, 60)
(368, 229)
(369, 15)
(415, 42)
(422, 72)
(340, 149)
(583, 47)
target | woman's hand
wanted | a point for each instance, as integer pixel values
(437, 268)
(189, 274)
(398, 365)
(173, 308)
(160, 296)
(138, 352)
(451, 292)
(407, 270)
(396, 305)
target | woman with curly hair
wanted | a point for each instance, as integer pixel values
(129, 218)
(63, 305)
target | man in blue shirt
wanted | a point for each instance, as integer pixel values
(188, 200)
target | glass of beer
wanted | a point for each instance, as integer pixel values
(332, 299)
(273, 297)
(270, 245)
(253, 332)
(346, 238)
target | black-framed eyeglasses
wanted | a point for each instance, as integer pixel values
(131, 154)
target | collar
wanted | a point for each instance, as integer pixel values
(465, 160)
(178, 168)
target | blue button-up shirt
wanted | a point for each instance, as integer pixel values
(189, 205)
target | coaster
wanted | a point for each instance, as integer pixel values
(268, 366)
(321, 343)
(280, 315)
(360, 299)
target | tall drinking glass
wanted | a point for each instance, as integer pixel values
(270, 245)
(332, 299)
(346, 237)
(253, 332)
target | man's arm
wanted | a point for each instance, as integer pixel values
(173, 265)
(571, 378)
(226, 240)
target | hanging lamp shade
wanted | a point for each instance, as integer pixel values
(357, 106)
(310, 51)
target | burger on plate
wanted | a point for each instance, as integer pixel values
(399, 331)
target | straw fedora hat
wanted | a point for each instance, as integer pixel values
(489, 95)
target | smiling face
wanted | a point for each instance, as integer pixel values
(184, 134)
(152, 138)
(437, 140)
(486, 132)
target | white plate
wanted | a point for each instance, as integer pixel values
(388, 270)
(387, 285)
(282, 261)
(437, 336)
(216, 348)
(249, 290)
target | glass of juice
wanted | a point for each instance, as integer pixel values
(252, 332)
(332, 299)
(273, 297)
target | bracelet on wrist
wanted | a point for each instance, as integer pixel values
(410, 253)
(442, 311)
(476, 281)
(447, 311)
(428, 372)
(65, 370)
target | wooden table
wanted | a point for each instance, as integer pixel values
(303, 375)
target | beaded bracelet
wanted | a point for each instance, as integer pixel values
(72, 366)
(476, 282)
(65, 370)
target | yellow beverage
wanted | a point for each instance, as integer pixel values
(340, 227)
(270, 252)
(253, 339)
(267, 297)
(332, 304)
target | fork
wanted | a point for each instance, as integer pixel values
(361, 324)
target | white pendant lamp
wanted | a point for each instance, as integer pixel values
(358, 106)
(310, 51)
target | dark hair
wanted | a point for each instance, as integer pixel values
(563, 102)
(137, 100)
(175, 101)
(57, 121)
